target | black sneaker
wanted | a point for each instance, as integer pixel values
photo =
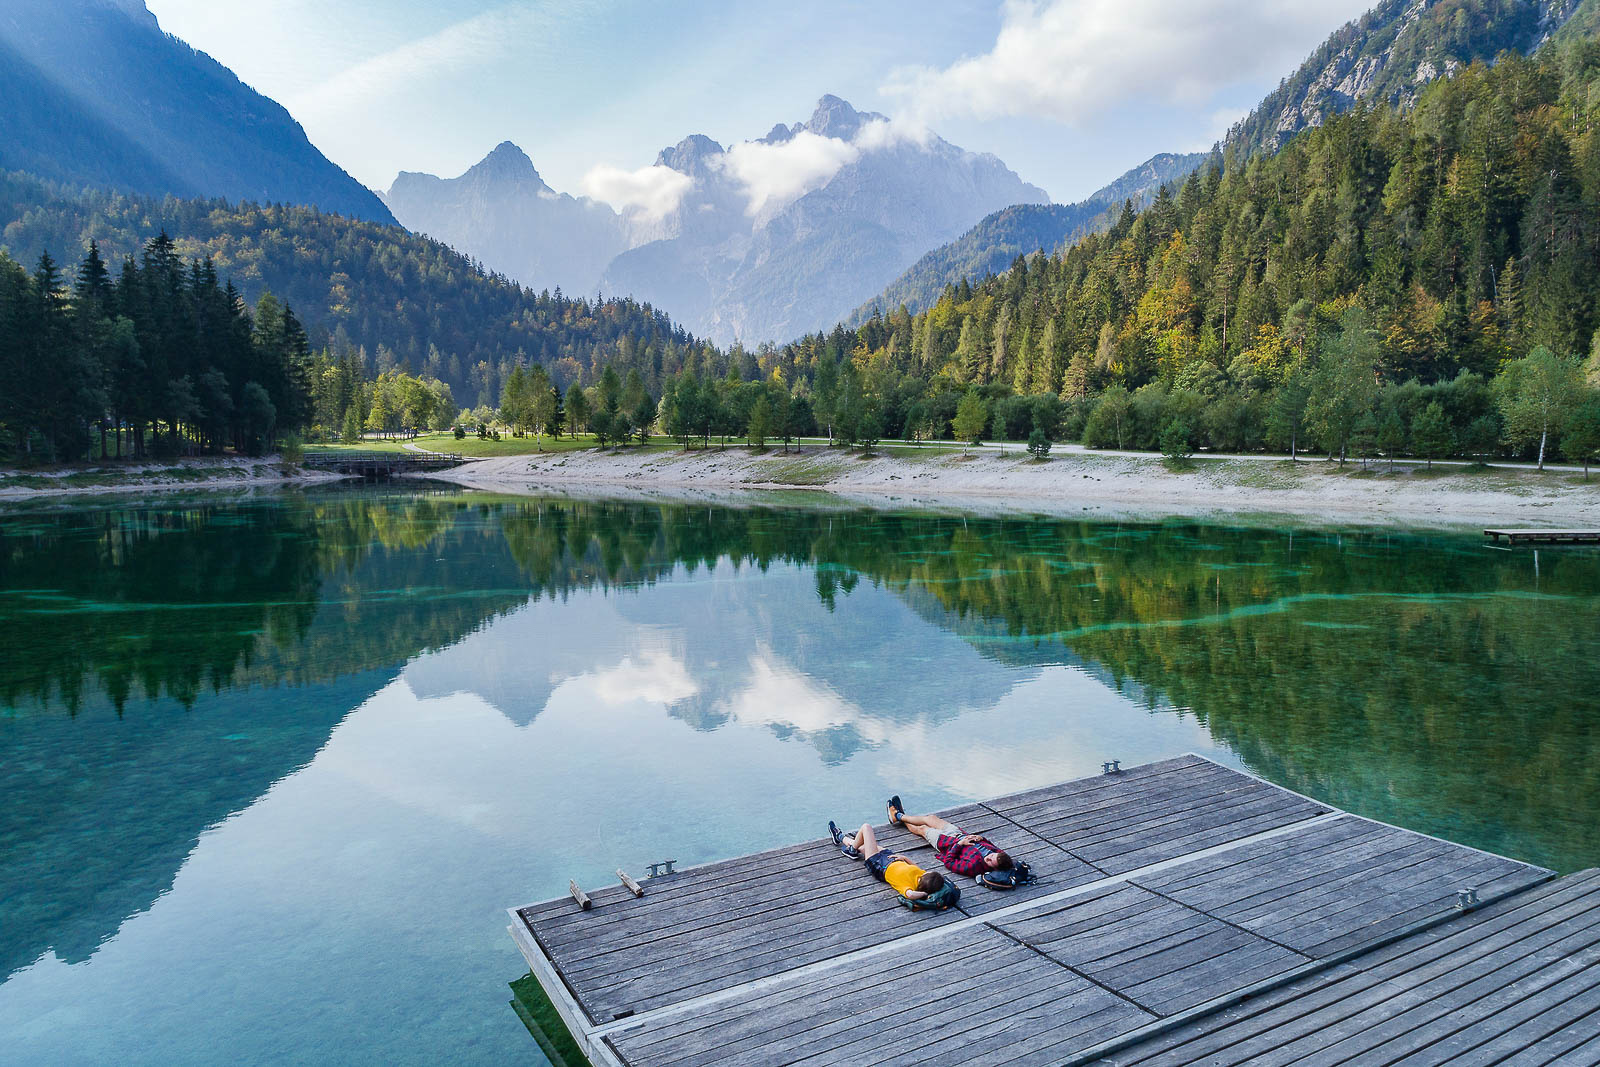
(838, 839)
(896, 809)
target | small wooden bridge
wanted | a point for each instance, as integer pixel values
(1185, 912)
(377, 466)
(1546, 537)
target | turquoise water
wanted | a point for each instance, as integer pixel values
(274, 769)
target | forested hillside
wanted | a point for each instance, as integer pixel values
(993, 244)
(1275, 299)
(405, 300)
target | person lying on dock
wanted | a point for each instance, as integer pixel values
(918, 889)
(970, 854)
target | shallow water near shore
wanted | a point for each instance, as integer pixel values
(274, 767)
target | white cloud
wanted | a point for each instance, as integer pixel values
(657, 677)
(649, 193)
(890, 133)
(1068, 60)
(778, 174)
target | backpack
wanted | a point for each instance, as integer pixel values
(1019, 874)
(946, 897)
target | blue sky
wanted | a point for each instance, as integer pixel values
(1069, 93)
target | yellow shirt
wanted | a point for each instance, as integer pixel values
(902, 876)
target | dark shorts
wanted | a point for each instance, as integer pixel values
(879, 862)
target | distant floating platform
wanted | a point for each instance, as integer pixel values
(1571, 537)
(1185, 912)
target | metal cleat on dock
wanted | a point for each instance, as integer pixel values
(1111, 767)
(1467, 899)
(656, 871)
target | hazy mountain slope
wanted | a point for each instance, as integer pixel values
(742, 264)
(425, 304)
(1391, 52)
(97, 94)
(510, 220)
(43, 131)
(993, 244)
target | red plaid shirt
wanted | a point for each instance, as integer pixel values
(964, 859)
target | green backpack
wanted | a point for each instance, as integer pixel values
(946, 897)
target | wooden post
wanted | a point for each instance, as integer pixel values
(580, 896)
(633, 887)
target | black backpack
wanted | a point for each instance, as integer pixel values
(1019, 874)
(945, 897)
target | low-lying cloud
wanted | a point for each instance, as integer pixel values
(772, 176)
(1069, 60)
(649, 193)
(779, 174)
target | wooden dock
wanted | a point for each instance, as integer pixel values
(1545, 537)
(1185, 912)
(380, 466)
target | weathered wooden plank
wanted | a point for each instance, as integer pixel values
(956, 1028)
(1115, 815)
(1329, 837)
(693, 956)
(1577, 1043)
(1238, 968)
(965, 952)
(1405, 1010)
(814, 1027)
(1328, 885)
(1138, 943)
(744, 910)
(1313, 1012)
(901, 1009)
(697, 888)
(1270, 865)
(1080, 786)
(651, 986)
(1009, 1032)
(654, 989)
(1350, 885)
(1039, 1046)
(1487, 1032)
(769, 1033)
(1512, 922)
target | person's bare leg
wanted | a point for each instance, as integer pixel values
(915, 823)
(864, 841)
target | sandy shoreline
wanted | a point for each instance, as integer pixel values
(1074, 484)
(198, 474)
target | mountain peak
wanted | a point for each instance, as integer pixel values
(690, 155)
(834, 117)
(507, 163)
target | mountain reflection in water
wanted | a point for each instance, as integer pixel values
(168, 664)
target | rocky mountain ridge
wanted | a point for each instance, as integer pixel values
(509, 219)
(767, 239)
(1389, 54)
